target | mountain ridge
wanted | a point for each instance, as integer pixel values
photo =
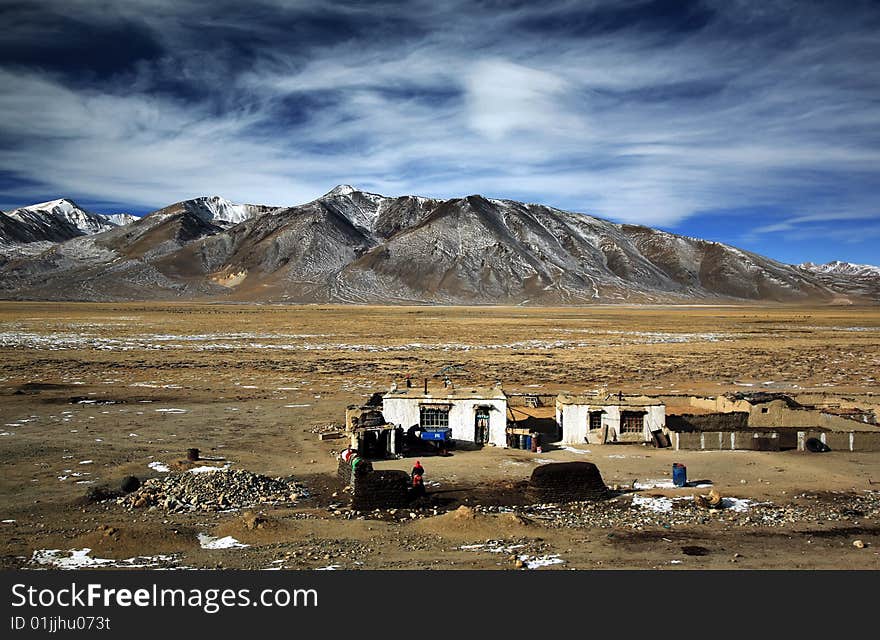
(353, 246)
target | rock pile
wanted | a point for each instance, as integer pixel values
(621, 512)
(318, 429)
(218, 490)
(566, 482)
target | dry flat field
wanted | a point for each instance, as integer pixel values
(90, 393)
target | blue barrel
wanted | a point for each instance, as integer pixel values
(528, 445)
(679, 475)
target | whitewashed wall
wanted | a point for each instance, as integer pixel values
(405, 413)
(576, 419)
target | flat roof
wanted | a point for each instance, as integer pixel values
(444, 393)
(609, 401)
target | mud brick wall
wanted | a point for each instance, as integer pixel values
(863, 441)
(566, 482)
(715, 440)
(344, 469)
(788, 439)
(380, 490)
(760, 441)
(686, 440)
(688, 423)
(837, 441)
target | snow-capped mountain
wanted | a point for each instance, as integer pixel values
(354, 246)
(221, 211)
(843, 268)
(119, 219)
(55, 221)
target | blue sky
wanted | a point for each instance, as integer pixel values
(752, 123)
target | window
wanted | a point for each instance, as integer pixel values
(764, 409)
(595, 419)
(433, 417)
(631, 422)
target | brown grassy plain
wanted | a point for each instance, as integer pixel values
(253, 380)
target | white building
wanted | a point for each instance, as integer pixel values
(599, 420)
(474, 415)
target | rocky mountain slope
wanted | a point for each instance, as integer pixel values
(354, 246)
(842, 269)
(859, 281)
(55, 221)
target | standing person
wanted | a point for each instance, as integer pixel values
(418, 482)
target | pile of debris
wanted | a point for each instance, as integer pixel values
(218, 490)
(319, 429)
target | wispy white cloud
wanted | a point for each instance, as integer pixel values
(598, 107)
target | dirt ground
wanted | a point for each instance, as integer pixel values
(91, 393)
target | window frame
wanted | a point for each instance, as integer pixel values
(436, 418)
(626, 416)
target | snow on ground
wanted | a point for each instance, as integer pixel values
(295, 342)
(535, 562)
(207, 469)
(493, 546)
(159, 466)
(80, 559)
(661, 504)
(529, 561)
(740, 505)
(656, 504)
(210, 542)
(667, 484)
(573, 450)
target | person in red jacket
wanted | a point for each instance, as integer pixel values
(418, 483)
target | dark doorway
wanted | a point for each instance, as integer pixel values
(481, 426)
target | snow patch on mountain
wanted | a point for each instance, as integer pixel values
(119, 219)
(360, 208)
(837, 267)
(64, 211)
(55, 221)
(217, 209)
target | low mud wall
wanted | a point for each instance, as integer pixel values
(686, 423)
(728, 441)
(838, 441)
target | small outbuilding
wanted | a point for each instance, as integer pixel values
(477, 415)
(608, 419)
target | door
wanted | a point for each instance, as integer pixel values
(481, 426)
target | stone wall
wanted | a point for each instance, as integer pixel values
(388, 489)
